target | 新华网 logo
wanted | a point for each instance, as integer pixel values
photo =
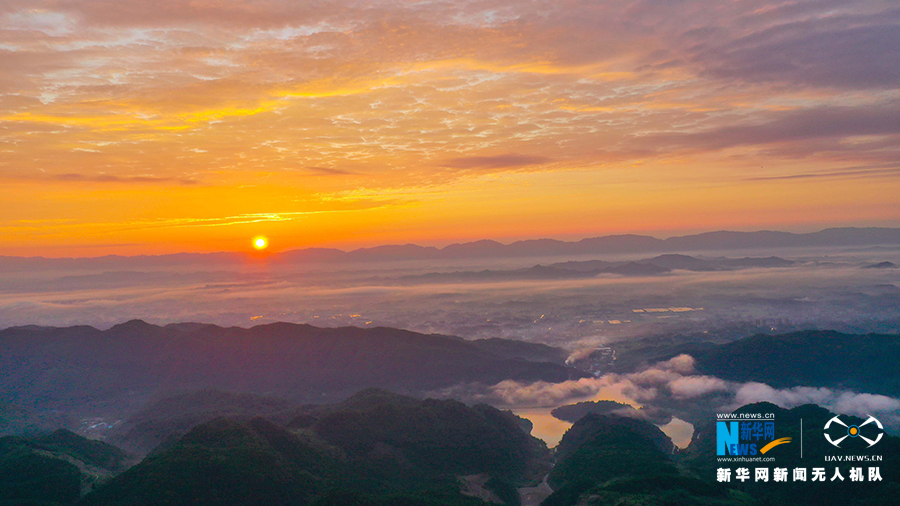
(746, 438)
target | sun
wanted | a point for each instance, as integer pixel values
(260, 243)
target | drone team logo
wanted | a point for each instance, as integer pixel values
(853, 431)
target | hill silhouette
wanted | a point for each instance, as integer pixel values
(375, 448)
(612, 244)
(442, 436)
(830, 359)
(223, 462)
(574, 412)
(85, 370)
(54, 469)
(881, 265)
(609, 459)
(172, 417)
(590, 268)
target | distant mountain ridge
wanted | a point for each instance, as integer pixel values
(818, 358)
(611, 244)
(84, 370)
(573, 269)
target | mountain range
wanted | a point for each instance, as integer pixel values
(377, 448)
(374, 448)
(818, 358)
(85, 371)
(611, 244)
(589, 268)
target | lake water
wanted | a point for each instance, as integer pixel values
(550, 429)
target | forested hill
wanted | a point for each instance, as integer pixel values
(81, 367)
(378, 448)
(866, 363)
(374, 449)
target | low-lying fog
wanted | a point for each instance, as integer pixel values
(826, 289)
(669, 394)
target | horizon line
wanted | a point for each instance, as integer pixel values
(264, 254)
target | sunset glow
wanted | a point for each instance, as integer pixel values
(260, 243)
(136, 128)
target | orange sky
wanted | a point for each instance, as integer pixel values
(155, 127)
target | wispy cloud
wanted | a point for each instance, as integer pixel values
(242, 219)
(416, 95)
(496, 161)
(109, 178)
(327, 171)
(879, 172)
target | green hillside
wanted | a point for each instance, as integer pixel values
(866, 363)
(223, 462)
(375, 448)
(54, 469)
(609, 459)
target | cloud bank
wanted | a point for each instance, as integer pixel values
(672, 387)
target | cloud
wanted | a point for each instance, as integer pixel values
(876, 172)
(839, 401)
(223, 221)
(495, 162)
(109, 178)
(786, 127)
(541, 393)
(696, 386)
(654, 377)
(665, 379)
(110, 13)
(672, 388)
(326, 171)
(864, 404)
(580, 354)
(513, 393)
(600, 103)
(821, 52)
(682, 364)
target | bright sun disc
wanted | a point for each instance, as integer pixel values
(260, 243)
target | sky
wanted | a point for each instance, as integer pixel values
(132, 127)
